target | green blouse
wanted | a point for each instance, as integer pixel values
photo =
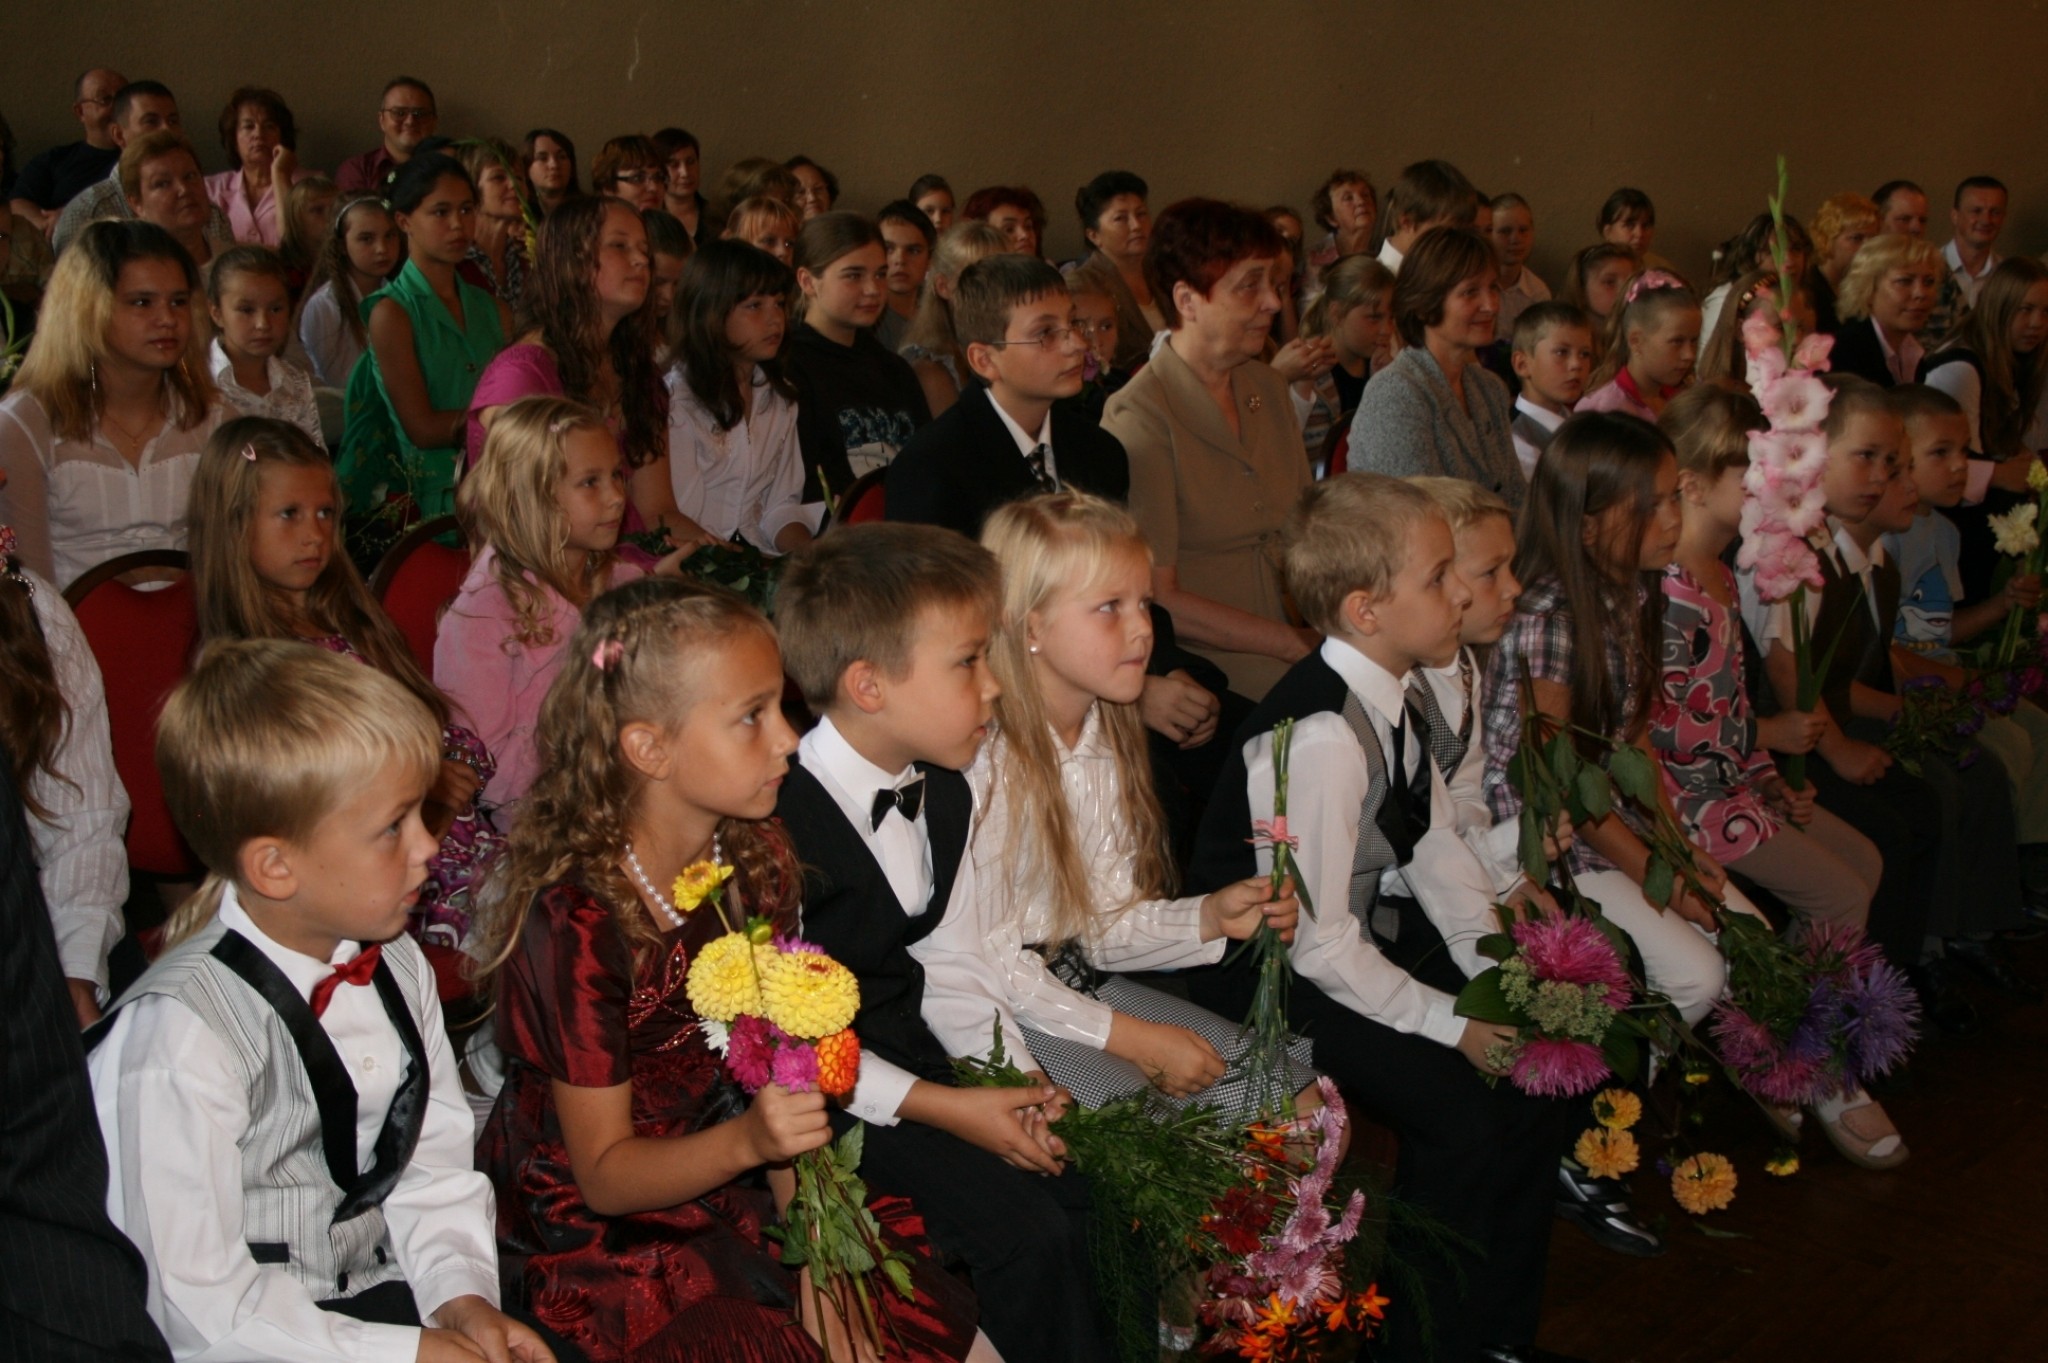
(377, 461)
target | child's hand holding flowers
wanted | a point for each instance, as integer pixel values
(1237, 911)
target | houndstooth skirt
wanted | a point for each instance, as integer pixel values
(1096, 1077)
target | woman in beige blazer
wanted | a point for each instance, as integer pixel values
(1215, 450)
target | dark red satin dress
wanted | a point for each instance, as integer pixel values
(697, 1282)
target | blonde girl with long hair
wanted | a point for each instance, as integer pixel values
(265, 513)
(541, 512)
(103, 425)
(1073, 869)
(662, 745)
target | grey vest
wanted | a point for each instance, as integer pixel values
(306, 1208)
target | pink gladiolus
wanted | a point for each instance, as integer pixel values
(1762, 335)
(1813, 351)
(1794, 401)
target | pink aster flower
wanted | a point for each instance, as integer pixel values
(1555, 1067)
(1573, 950)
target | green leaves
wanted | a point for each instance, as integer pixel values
(1483, 998)
(1635, 773)
(1658, 880)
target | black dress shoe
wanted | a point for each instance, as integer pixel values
(1600, 1207)
(1523, 1353)
(1942, 1000)
(1989, 964)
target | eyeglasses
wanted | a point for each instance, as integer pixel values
(1050, 339)
(641, 177)
(408, 115)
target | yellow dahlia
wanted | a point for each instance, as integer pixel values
(1607, 1153)
(1784, 1164)
(2037, 476)
(722, 983)
(1617, 1109)
(1703, 1183)
(699, 881)
(808, 994)
(838, 1063)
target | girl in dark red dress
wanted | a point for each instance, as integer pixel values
(631, 1215)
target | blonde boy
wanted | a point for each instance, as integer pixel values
(290, 1144)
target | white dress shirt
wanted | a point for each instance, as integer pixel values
(1526, 451)
(77, 503)
(1967, 282)
(290, 397)
(80, 857)
(324, 333)
(1026, 442)
(747, 481)
(903, 850)
(1771, 621)
(1009, 913)
(1390, 257)
(1326, 791)
(1497, 845)
(172, 1108)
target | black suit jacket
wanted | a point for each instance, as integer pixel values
(852, 912)
(965, 464)
(71, 1286)
(1858, 351)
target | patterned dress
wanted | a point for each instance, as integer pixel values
(699, 1282)
(441, 917)
(1702, 727)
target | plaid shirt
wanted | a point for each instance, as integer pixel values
(1541, 636)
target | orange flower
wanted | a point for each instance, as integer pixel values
(1276, 1319)
(1703, 1183)
(1371, 1303)
(838, 1063)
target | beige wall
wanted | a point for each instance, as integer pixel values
(1561, 102)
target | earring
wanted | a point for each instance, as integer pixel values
(1033, 648)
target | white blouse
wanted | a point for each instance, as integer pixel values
(747, 481)
(74, 504)
(83, 864)
(290, 397)
(1008, 913)
(330, 346)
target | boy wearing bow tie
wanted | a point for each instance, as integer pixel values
(885, 629)
(290, 1144)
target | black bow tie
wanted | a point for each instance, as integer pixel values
(908, 797)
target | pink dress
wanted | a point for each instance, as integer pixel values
(496, 680)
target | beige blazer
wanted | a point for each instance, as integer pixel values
(1212, 503)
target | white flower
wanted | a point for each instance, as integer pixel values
(2014, 532)
(2037, 477)
(717, 1035)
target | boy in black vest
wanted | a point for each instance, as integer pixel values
(885, 629)
(1370, 561)
(290, 1144)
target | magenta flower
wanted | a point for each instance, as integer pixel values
(751, 1054)
(1574, 950)
(796, 1065)
(1554, 1067)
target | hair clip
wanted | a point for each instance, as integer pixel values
(249, 452)
(558, 425)
(607, 654)
(1652, 279)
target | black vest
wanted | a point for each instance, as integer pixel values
(851, 910)
(1863, 653)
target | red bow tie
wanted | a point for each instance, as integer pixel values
(358, 971)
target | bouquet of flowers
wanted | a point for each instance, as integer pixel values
(1266, 1224)
(1785, 501)
(1561, 981)
(1266, 1059)
(2018, 533)
(780, 1010)
(1809, 1019)
(736, 566)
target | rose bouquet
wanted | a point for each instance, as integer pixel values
(1809, 1019)
(781, 1012)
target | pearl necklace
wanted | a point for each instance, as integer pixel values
(664, 902)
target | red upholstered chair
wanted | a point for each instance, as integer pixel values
(863, 501)
(415, 581)
(142, 642)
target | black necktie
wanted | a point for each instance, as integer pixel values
(908, 797)
(1404, 815)
(1040, 474)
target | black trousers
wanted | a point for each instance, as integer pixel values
(392, 1304)
(1480, 1159)
(1024, 1237)
(1903, 816)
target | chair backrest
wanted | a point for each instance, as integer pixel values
(415, 581)
(863, 501)
(143, 642)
